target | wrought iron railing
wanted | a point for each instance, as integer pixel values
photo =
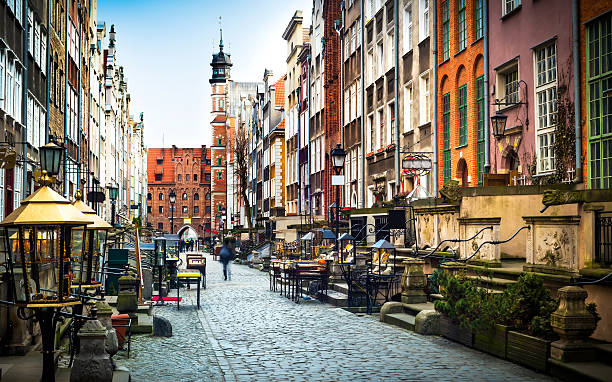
(494, 242)
(432, 252)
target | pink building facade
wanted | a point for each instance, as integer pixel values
(530, 61)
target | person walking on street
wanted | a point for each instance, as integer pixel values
(226, 256)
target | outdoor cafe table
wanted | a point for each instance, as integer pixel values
(187, 278)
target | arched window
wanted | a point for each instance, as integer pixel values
(196, 196)
(161, 196)
(149, 196)
(208, 196)
(184, 196)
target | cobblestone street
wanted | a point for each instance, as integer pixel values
(244, 332)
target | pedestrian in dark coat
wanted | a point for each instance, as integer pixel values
(226, 256)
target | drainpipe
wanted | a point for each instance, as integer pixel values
(363, 101)
(434, 121)
(48, 58)
(396, 104)
(67, 57)
(299, 194)
(24, 105)
(79, 110)
(340, 29)
(487, 164)
(577, 99)
(308, 58)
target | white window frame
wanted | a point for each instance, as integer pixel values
(408, 102)
(407, 27)
(358, 103)
(390, 59)
(380, 60)
(43, 51)
(2, 77)
(545, 96)
(509, 6)
(423, 19)
(424, 98)
(17, 93)
(390, 126)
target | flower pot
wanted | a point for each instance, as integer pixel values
(455, 332)
(493, 341)
(528, 351)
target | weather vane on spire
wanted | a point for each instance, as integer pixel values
(220, 34)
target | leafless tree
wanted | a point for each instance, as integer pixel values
(241, 161)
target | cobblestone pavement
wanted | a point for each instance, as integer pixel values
(244, 332)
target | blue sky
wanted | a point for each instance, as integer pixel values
(166, 47)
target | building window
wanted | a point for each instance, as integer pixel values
(408, 108)
(461, 26)
(186, 177)
(161, 196)
(480, 126)
(220, 207)
(424, 19)
(195, 177)
(509, 5)
(180, 177)
(161, 209)
(219, 161)
(184, 209)
(160, 226)
(158, 177)
(424, 104)
(207, 197)
(462, 105)
(196, 196)
(446, 136)
(160, 161)
(220, 175)
(479, 19)
(184, 196)
(381, 59)
(220, 142)
(391, 130)
(149, 209)
(546, 105)
(599, 101)
(408, 27)
(196, 209)
(390, 49)
(149, 196)
(445, 32)
(207, 177)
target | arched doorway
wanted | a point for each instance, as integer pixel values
(462, 172)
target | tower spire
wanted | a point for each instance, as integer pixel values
(220, 36)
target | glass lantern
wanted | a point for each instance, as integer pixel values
(348, 249)
(159, 258)
(95, 241)
(383, 258)
(43, 244)
(172, 247)
(307, 247)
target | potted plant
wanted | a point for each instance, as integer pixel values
(453, 308)
(527, 306)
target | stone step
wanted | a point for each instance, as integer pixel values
(403, 320)
(339, 287)
(414, 309)
(336, 298)
(580, 371)
(493, 283)
(604, 353)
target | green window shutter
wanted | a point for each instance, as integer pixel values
(462, 104)
(461, 26)
(445, 32)
(479, 19)
(446, 135)
(480, 126)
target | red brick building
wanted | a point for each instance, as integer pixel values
(187, 172)
(461, 92)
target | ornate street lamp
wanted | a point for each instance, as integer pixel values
(498, 122)
(95, 241)
(51, 158)
(113, 190)
(172, 201)
(43, 243)
(338, 155)
(307, 240)
(159, 261)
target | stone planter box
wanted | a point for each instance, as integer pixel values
(455, 332)
(493, 341)
(528, 351)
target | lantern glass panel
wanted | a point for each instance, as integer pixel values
(98, 254)
(78, 261)
(160, 252)
(172, 249)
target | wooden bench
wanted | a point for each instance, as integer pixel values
(187, 278)
(198, 263)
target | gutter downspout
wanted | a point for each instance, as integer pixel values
(24, 106)
(362, 127)
(308, 58)
(340, 31)
(487, 163)
(299, 188)
(396, 105)
(577, 100)
(434, 121)
(67, 56)
(80, 110)
(48, 58)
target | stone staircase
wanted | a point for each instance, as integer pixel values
(600, 370)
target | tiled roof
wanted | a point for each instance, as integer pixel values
(279, 91)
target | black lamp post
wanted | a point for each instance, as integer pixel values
(172, 196)
(113, 190)
(337, 158)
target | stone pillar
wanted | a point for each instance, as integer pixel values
(413, 281)
(552, 244)
(105, 312)
(127, 299)
(489, 254)
(147, 288)
(574, 324)
(92, 363)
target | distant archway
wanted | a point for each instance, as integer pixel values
(462, 172)
(187, 232)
